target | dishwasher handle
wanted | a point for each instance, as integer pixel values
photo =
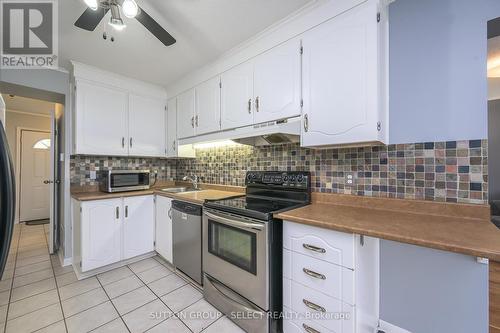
(187, 208)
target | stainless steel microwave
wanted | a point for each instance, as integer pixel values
(124, 180)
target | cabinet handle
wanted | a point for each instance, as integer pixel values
(173, 145)
(170, 213)
(117, 213)
(196, 121)
(250, 105)
(314, 248)
(309, 329)
(131, 142)
(306, 122)
(313, 306)
(257, 104)
(192, 122)
(314, 274)
(126, 211)
(123, 142)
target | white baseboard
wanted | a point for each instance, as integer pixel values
(390, 328)
(64, 261)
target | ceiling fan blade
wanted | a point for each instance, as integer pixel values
(156, 29)
(90, 19)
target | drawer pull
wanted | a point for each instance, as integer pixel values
(309, 329)
(314, 248)
(313, 306)
(314, 274)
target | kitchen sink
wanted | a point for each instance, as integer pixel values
(179, 190)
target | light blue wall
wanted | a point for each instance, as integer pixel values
(438, 87)
(438, 92)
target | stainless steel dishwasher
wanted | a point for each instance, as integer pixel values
(186, 230)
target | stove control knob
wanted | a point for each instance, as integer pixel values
(285, 178)
(300, 178)
(249, 176)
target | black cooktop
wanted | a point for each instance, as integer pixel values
(268, 193)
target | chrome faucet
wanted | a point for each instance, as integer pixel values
(194, 180)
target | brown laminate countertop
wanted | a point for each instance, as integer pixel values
(451, 227)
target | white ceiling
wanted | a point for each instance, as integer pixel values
(29, 105)
(204, 29)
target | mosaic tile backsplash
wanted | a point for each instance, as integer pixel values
(454, 171)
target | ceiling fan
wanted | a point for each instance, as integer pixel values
(97, 9)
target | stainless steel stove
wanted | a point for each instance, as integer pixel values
(242, 248)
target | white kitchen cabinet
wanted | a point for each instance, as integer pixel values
(101, 119)
(186, 114)
(325, 272)
(146, 126)
(138, 225)
(171, 126)
(163, 232)
(207, 105)
(100, 229)
(277, 88)
(237, 97)
(343, 66)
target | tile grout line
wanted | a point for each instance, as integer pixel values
(55, 281)
(12, 281)
(110, 301)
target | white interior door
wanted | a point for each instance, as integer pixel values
(35, 171)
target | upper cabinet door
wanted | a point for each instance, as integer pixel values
(340, 79)
(277, 83)
(138, 225)
(101, 120)
(207, 118)
(237, 107)
(146, 126)
(186, 114)
(172, 127)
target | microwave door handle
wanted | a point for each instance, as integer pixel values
(237, 224)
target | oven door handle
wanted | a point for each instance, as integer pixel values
(236, 224)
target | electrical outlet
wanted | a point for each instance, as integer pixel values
(93, 175)
(350, 179)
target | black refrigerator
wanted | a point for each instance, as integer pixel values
(7, 198)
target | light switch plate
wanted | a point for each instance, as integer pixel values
(350, 179)
(93, 175)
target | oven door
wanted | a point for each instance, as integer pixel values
(235, 252)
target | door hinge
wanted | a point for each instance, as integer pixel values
(378, 17)
(301, 103)
(379, 126)
(301, 50)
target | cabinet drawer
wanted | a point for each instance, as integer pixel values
(328, 245)
(334, 280)
(324, 310)
(293, 323)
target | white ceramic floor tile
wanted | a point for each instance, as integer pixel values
(167, 284)
(114, 275)
(39, 266)
(5, 285)
(154, 274)
(33, 303)
(223, 325)
(33, 289)
(3, 313)
(143, 265)
(199, 315)
(147, 316)
(65, 279)
(32, 260)
(134, 299)
(8, 274)
(181, 298)
(172, 325)
(116, 326)
(91, 318)
(35, 320)
(123, 286)
(24, 280)
(59, 270)
(78, 288)
(58, 327)
(31, 253)
(77, 304)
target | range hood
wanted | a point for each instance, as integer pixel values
(270, 133)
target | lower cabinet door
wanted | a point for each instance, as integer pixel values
(163, 234)
(100, 233)
(295, 323)
(138, 226)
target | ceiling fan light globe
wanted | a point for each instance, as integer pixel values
(117, 24)
(92, 4)
(130, 8)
